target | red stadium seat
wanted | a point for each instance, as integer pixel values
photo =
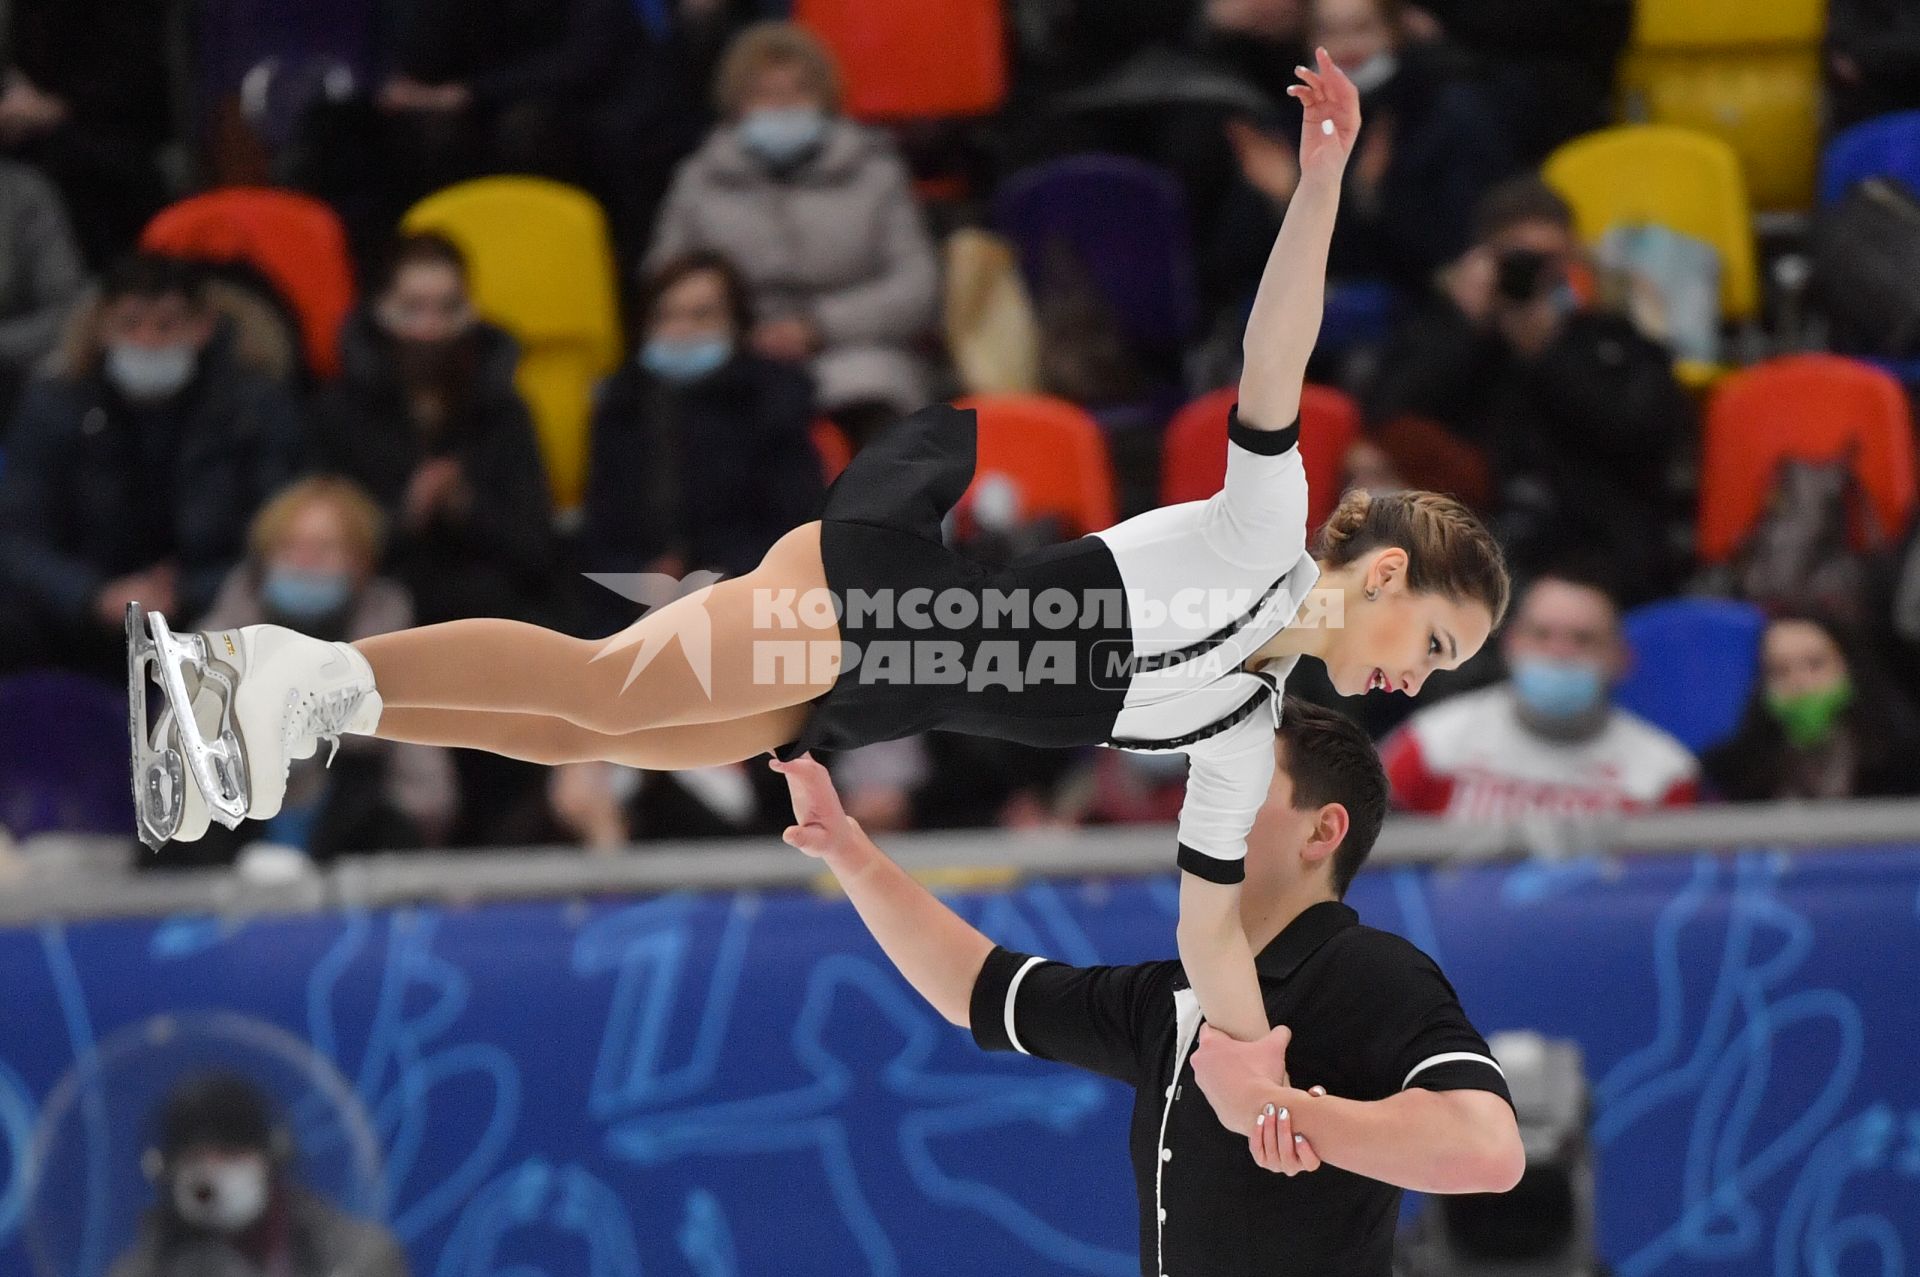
(296, 242)
(1055, 454)
(925, 60)
(1194, 458)
(1814, 407)
(835, 450)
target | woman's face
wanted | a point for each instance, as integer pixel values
(316, 543)
(1798, 657)
(427, 303)
(1352, 31)
(1396, 640)
(694, 309)
(781, 86)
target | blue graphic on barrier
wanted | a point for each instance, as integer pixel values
(726, 1085)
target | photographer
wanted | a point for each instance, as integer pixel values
(1576, 413)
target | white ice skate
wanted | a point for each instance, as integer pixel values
(244, 703)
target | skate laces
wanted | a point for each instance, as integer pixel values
(323, 716)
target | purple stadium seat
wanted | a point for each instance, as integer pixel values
(63, 755)
(282, 55)
(1126, 222)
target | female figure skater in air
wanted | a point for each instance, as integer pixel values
(1184, 622)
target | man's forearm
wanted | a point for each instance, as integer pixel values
(1423, 1141)
(936, 949)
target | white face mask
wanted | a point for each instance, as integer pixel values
(223, 1194)
(1375, 71)
(150, 372)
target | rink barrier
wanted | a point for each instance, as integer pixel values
(956, 858)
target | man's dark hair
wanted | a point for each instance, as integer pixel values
(1516, 201)
(1586, 575)
(419, 248)
(220, 1110)
(1332, 761)
(150, 276)
(665, 277)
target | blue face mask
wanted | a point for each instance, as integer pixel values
(684, 361)
(306, 596)
(1558, 689)
(781, 135)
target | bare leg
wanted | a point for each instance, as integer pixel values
(729, 651)
(541, 738)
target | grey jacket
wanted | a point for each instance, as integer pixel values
(41, 276)
(839, 241)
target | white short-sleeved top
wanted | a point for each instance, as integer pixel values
(1208, 582)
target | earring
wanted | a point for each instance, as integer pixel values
(1373, 594)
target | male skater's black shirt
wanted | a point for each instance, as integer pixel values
(1371, 1015)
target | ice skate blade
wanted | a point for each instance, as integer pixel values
(157, 773)
(216, 767)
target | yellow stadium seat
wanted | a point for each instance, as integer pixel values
(542, 268)
(1677, 24)
(1764, 102)
(1652, 174)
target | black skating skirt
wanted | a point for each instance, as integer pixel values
(1035, 652)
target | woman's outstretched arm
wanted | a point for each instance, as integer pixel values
(1285, 321)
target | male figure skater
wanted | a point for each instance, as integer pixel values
(1405, 1094)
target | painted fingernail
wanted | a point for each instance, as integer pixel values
(1261, 1120)
(1326, 126)
(1299, 1139)
(1283, 1112)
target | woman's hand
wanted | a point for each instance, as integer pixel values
(1327, 98)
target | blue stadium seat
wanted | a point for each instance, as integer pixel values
(63, 755)
(1888, 146)
(1694, 662)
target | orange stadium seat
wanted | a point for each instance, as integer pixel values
(1055, 454)
(296, 242)
(1194, 458)
(835, 449)
(542, 268)
(1817, 407)
(924, 60)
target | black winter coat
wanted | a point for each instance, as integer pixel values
(715, 471)
(499, 557)
(94, 487)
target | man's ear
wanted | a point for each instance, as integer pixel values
(1330, 825)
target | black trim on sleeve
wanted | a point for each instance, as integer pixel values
(1212, 868)
(1268, 443)
(987, 1006)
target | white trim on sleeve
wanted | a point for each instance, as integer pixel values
(1013, 988)
(1451, 1057)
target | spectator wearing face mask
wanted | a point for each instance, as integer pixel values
(1822, 723)
(426, 417)
(1576, 415)
(133, 473)
(1428, 149)
(701, 456)
(227, 1203)
(314, 549)
(1547, 741)
(818, 215)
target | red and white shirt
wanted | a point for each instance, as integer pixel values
(1471, 758)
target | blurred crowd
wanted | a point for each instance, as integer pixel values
(792, 281)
